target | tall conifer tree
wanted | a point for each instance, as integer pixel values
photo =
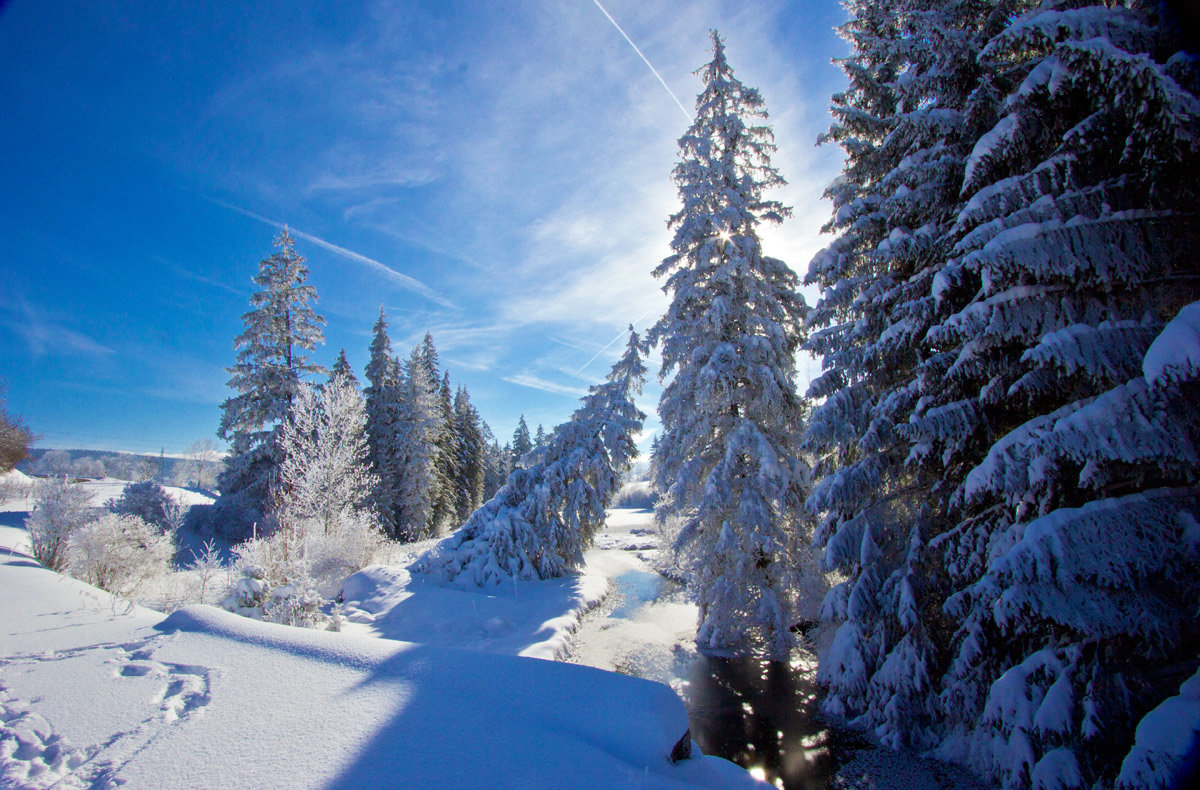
(416, 452)
(271, 364)
(472, 457)
(729, 465)
(384, 409)
(1008, 466)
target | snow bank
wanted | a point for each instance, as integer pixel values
(527, 618)
(203, 698)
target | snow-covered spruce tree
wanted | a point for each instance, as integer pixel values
(384, 405)
(416, 452)
(729, 465)
(442, 437)
(325, 472)
(1073, 563)
(472, 460)
(445, 511)
(521, 443)
(341, 368)
(495, 464)
(907, 124)
(544, 517)
(270, 366)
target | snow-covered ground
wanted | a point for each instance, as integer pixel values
(645, 627)
(100, 490)
(537, 619)
(95, 695)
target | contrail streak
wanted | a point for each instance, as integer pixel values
(649, 65)
(403, 280)
(609, 345)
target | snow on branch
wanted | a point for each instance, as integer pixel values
(1174, 356)
(1093, 568)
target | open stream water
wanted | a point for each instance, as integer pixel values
(761, 715)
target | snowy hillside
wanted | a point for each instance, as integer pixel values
(92, 695)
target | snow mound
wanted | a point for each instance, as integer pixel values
(527, 618)
(91, 697)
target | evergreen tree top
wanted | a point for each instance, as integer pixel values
(381, 367)
(430, 356)
(341, 369)
(280, 325)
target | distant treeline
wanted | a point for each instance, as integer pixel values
(196, 471)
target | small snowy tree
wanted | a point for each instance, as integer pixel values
(521, 443)
(341, 369)
(120, 553)
(60, 508)
(729, 466)
(325, 470)
(270, 367)
(545, 516)
(202, 458)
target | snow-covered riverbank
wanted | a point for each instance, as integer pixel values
(92, 695)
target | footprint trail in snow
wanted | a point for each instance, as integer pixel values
(34, 754)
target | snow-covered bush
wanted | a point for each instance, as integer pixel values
(295, 604)
(119, 553)
(290, 600)
(60, 507)
(205, 566)
(284, 576)
(151, 503)
(352, 545)
(249, 593)
(13, 485)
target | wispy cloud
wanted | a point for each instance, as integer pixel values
(44, 336)
(200, 278)
(527, 379)
(403, 280)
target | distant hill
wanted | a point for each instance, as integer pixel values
(175, 470)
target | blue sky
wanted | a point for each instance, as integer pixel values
(496, 173)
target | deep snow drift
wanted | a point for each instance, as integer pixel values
(92, 695)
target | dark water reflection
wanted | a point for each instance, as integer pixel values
(763, 716)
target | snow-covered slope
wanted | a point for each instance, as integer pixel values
(94, 696)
